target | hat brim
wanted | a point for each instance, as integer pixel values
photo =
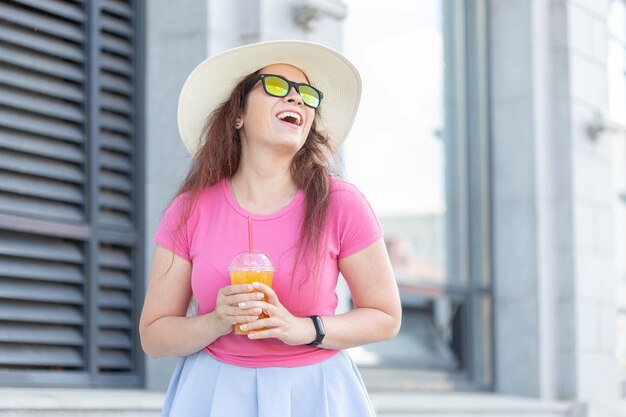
(212, 81)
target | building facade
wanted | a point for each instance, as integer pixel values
(490, 143)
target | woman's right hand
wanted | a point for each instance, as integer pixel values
(227, 311)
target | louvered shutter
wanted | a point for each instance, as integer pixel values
(42, 115)
(116, 195)
(69, 230)
(41, 312)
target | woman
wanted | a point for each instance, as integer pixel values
(262, 121)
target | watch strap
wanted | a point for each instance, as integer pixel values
(320, 331)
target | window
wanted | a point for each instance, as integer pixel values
(424, 102)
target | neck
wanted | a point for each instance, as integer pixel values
(263, 185)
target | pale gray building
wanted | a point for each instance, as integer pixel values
(508, 241)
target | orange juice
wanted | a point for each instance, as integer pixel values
(248, 277)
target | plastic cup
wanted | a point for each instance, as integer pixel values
(249, 267)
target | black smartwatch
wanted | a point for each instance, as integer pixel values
(320, 332)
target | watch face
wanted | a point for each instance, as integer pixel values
(320, 332)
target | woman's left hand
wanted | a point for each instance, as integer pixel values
(281, 324)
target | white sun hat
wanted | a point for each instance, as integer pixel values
(212, 81)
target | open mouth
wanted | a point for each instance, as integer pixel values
(290, 117)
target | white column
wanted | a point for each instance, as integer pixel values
(516, 226)
(555, 307)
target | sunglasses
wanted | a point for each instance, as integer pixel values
(278, 86)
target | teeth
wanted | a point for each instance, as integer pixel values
(286, 114)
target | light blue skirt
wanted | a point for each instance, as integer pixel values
(205, 387)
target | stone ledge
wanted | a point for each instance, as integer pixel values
(466, 404)
(39, 399)
(105, 402)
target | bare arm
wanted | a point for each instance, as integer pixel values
(377, 312)
(164, 328)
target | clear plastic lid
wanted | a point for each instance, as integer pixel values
(251, 261)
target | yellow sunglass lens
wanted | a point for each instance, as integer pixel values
(276, 87)
(309, 95)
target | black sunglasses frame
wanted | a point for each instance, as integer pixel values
(261, 77)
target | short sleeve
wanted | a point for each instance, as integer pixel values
(358, 224)
(170, 233)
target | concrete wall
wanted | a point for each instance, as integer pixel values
(553, 261)
(176, 41)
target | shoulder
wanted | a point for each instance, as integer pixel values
(340, 190)
(338, 185)
(188, 202)
(344, 195)
(178, 204)
(352, 217)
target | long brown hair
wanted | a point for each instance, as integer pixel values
(219, 154)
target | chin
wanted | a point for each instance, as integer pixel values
(289, 146)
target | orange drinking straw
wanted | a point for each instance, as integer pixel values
(250, 233)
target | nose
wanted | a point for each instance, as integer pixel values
(293, 96)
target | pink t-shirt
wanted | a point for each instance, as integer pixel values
(217, 230)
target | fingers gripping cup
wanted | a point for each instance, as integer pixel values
(249, 267)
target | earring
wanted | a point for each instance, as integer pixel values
(238, 123)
